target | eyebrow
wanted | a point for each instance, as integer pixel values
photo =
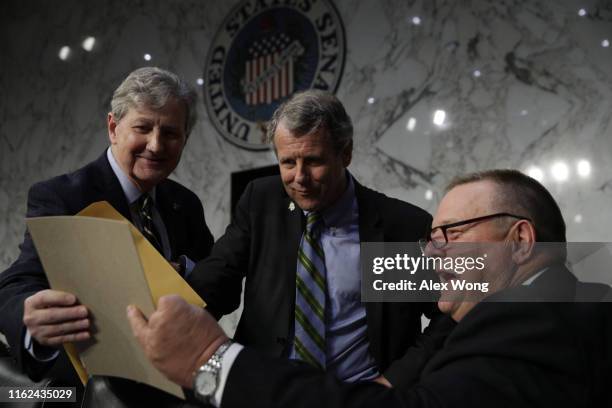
(445, 222)
(142, 120)
(170, 127)
(285, 159)
(146, 121)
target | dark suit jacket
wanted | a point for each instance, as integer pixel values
(68, 194)
(501, 354)
(262, 243)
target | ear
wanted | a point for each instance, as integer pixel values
(347, 154)
(112, 126)
(523, 237)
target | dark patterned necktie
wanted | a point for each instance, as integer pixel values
(311, 289)
(145, 204)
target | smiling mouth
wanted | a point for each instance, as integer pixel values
(152, 159)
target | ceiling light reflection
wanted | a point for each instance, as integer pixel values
(428, 195)
(439, 117)
(584, 168)
(536, 173)
(64, 53)
(147, 57)
(605, 43)
(371, 100)
(477, 73)
(200, 81)
(88, 43)
(560, 171)
(411, 125)
(416, 20)
(578, 218)
(582, 12)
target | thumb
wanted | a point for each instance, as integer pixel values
(138, 322)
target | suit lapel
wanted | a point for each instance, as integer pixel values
(294, 221)
(108, 186)
(169, 208)
(371, 230)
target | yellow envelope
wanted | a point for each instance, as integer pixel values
(162, 278)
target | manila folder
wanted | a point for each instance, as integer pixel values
(96, 259)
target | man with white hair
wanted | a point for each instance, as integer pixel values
(152, 114)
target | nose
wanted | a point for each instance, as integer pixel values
(431, 251)
(154, 142)
(301, 173)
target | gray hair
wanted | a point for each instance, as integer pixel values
(151, 87)
(309, 111)
(520, 193)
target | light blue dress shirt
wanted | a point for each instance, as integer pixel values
(347, 344)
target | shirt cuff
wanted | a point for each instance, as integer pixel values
(42, 354)
(226, 365)
(189, 265)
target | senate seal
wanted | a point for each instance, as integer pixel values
(264, 51)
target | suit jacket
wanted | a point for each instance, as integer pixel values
(261, 244)
(524, 354)
(68, 194)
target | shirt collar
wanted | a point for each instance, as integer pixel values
(532, 278)
(131, 192)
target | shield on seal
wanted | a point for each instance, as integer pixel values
(264, 52)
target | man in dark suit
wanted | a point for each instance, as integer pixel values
(153, 112)
(289, 313)
(520, 347)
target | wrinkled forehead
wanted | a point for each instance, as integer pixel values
(156, 103)
(283, 137)
(466, 201)
(173, 109)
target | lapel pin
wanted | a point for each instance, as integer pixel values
(291, 206)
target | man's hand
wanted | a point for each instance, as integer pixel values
(178, 337)
(53, 317)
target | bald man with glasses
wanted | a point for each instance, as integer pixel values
(535, 353)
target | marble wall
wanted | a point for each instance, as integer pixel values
(435, 88)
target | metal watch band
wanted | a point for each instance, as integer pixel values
(213, 366)
(214, 362)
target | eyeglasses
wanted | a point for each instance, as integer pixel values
(438, 243)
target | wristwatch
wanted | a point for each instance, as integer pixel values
(206, 378)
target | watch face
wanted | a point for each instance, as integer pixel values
(205, 383)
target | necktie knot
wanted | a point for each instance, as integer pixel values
(145, 202)
(314, 221)
(145, 206)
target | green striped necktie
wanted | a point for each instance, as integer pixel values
(311, 289)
